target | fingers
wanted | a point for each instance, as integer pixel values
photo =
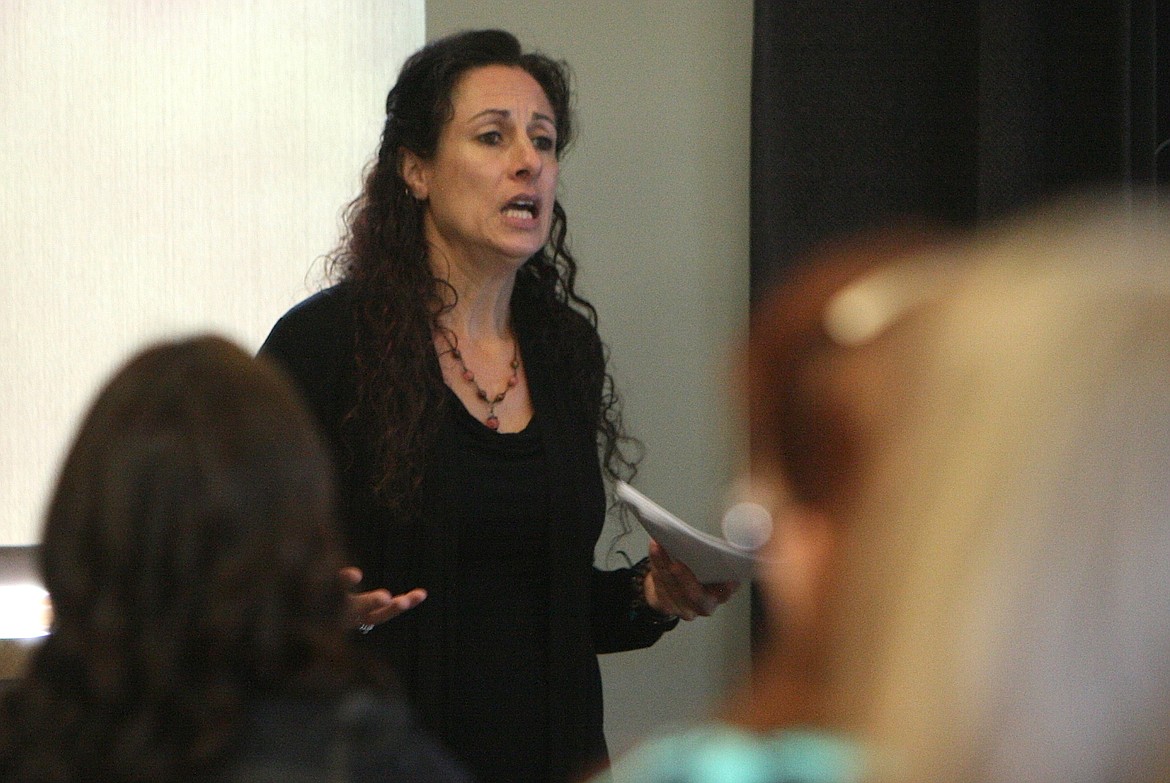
(366, 608)
(703, 599)
(406, 601)
(373, 607)
(677, 586)
(675, 589)
(721, 591)
(659, 557)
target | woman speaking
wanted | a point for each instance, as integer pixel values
(463, 386)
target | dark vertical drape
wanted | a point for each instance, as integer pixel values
(952, 112)
(864, 110)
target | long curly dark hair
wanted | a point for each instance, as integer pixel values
(191, 560)
(397, 300)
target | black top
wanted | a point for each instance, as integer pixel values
(425, 546)
(500, 669)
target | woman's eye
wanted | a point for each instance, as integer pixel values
(491, 137)
(544, 143)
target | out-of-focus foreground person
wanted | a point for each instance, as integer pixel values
(968, 576)
(199, 626)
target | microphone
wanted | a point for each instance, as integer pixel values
(747, 526)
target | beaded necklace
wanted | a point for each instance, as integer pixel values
(492, 421)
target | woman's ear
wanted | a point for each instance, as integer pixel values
(415, 173)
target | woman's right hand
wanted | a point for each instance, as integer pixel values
(374, 607)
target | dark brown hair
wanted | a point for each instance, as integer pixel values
(190, 556)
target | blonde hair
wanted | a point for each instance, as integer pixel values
(1004, 604)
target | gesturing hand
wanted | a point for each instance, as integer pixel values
(671, 588)
(374, 607)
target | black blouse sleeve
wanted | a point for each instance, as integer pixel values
(311, 343)
(618, 623)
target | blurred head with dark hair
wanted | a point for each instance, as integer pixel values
(189, 553)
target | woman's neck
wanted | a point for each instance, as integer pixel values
(478, 351)
(481, 310)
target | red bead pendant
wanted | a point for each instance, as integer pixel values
(493, 422)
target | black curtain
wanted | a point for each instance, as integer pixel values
(953, 112)
(863, 110)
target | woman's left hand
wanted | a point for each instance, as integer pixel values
(671, 588)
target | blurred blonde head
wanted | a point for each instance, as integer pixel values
(999, 607)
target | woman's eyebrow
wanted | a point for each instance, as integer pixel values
(506, 113)
(502, 113)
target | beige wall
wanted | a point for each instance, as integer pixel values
(656, 191)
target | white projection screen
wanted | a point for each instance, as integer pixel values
(167, 167)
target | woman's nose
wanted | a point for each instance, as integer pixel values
(528, 162)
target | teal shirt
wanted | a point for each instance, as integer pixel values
(725, 754)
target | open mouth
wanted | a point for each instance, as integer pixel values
(525, 208)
